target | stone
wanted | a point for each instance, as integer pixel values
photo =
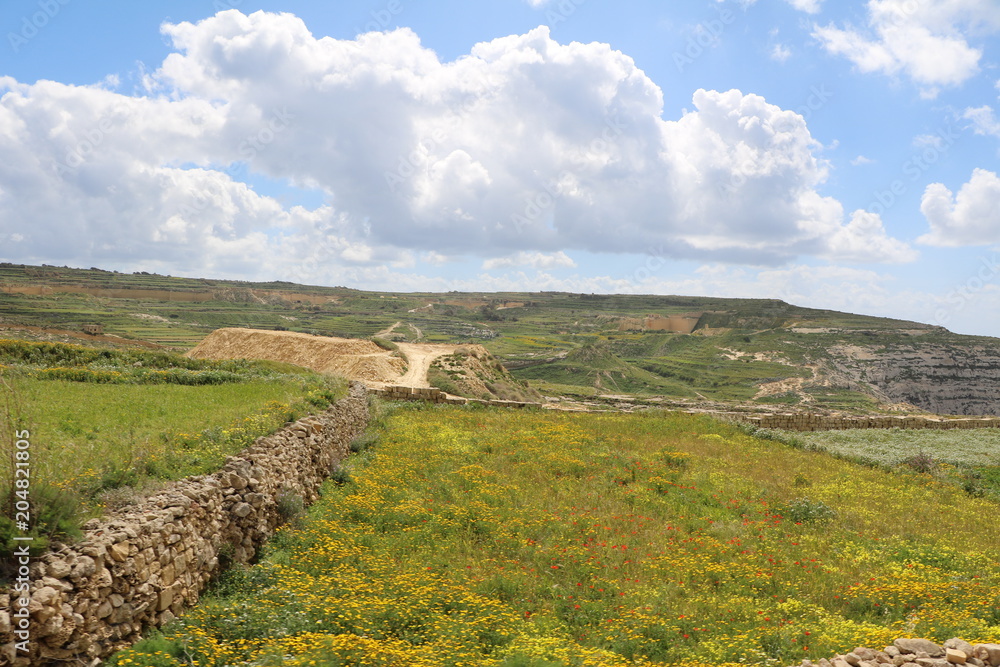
(864, 653)
(57, 568)
(988, 653)
(103, 578)
(955, 656)
(913, 645)
(84, 567)
(852, 659)
(959, 645)
(931, 662)
(891, 651)
(119, 552)
(165, 600)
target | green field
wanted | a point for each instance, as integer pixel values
(475, 536)
(108, 425)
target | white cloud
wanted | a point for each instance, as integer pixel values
(925, 41)
(984, 120)
(807, 6)
(972, 217)
(535, 260)
(524, 146)
(780, 53)
(861, 160)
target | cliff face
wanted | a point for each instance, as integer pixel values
(933, 377)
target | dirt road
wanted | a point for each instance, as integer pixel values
(419, 357)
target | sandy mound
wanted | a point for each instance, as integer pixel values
(353, 358)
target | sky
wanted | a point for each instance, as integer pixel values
(841, 155)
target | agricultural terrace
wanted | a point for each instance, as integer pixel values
(476, 536)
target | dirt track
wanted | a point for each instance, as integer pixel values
(419, 357)
(354, 358)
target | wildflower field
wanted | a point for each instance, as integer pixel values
(474, 536)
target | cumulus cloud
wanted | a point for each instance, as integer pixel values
(972, 217)
(925, 41)
(536, 260)
(524, 146)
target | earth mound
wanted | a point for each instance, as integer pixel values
(353, 358)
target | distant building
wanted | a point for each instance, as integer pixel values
(93, 329)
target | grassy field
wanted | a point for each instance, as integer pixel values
(969, 458)
(107, 425)
(473, 536)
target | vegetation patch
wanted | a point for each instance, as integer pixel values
(494, 537)
(99, 445)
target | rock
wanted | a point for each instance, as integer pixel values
(57, 568)
(242, 509)
(959, 645)
(931, 662)
(84, 567)
(119, 552)
(913, 645)
(891, 651)
(864, 653)
(165, 600)
(988, 653)
(955, 656)
(103, 578)
(852, 659)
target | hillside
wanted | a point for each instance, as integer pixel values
(688, 350)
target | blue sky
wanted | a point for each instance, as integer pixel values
(835, 155)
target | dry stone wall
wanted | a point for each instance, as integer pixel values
(812, 422)
(916, 652)
(434, 395)
(142, 567)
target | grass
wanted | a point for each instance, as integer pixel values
(111, 424)
(476, 536)
(968, 458)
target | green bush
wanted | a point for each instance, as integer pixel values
(804, 510)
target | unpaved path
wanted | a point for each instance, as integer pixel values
(386, 331)
(419, 357)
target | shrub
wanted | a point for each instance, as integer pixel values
(921, 462)
(290, 505)
(364, 441)
(804, 510)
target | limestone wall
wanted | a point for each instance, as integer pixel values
(140, 568)
(809, 422)
(435, 395)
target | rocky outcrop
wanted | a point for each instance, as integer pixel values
(916, 652)
(141, 568)
(942, 379)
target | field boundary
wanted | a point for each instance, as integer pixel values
(784, 422)
(142, 567)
